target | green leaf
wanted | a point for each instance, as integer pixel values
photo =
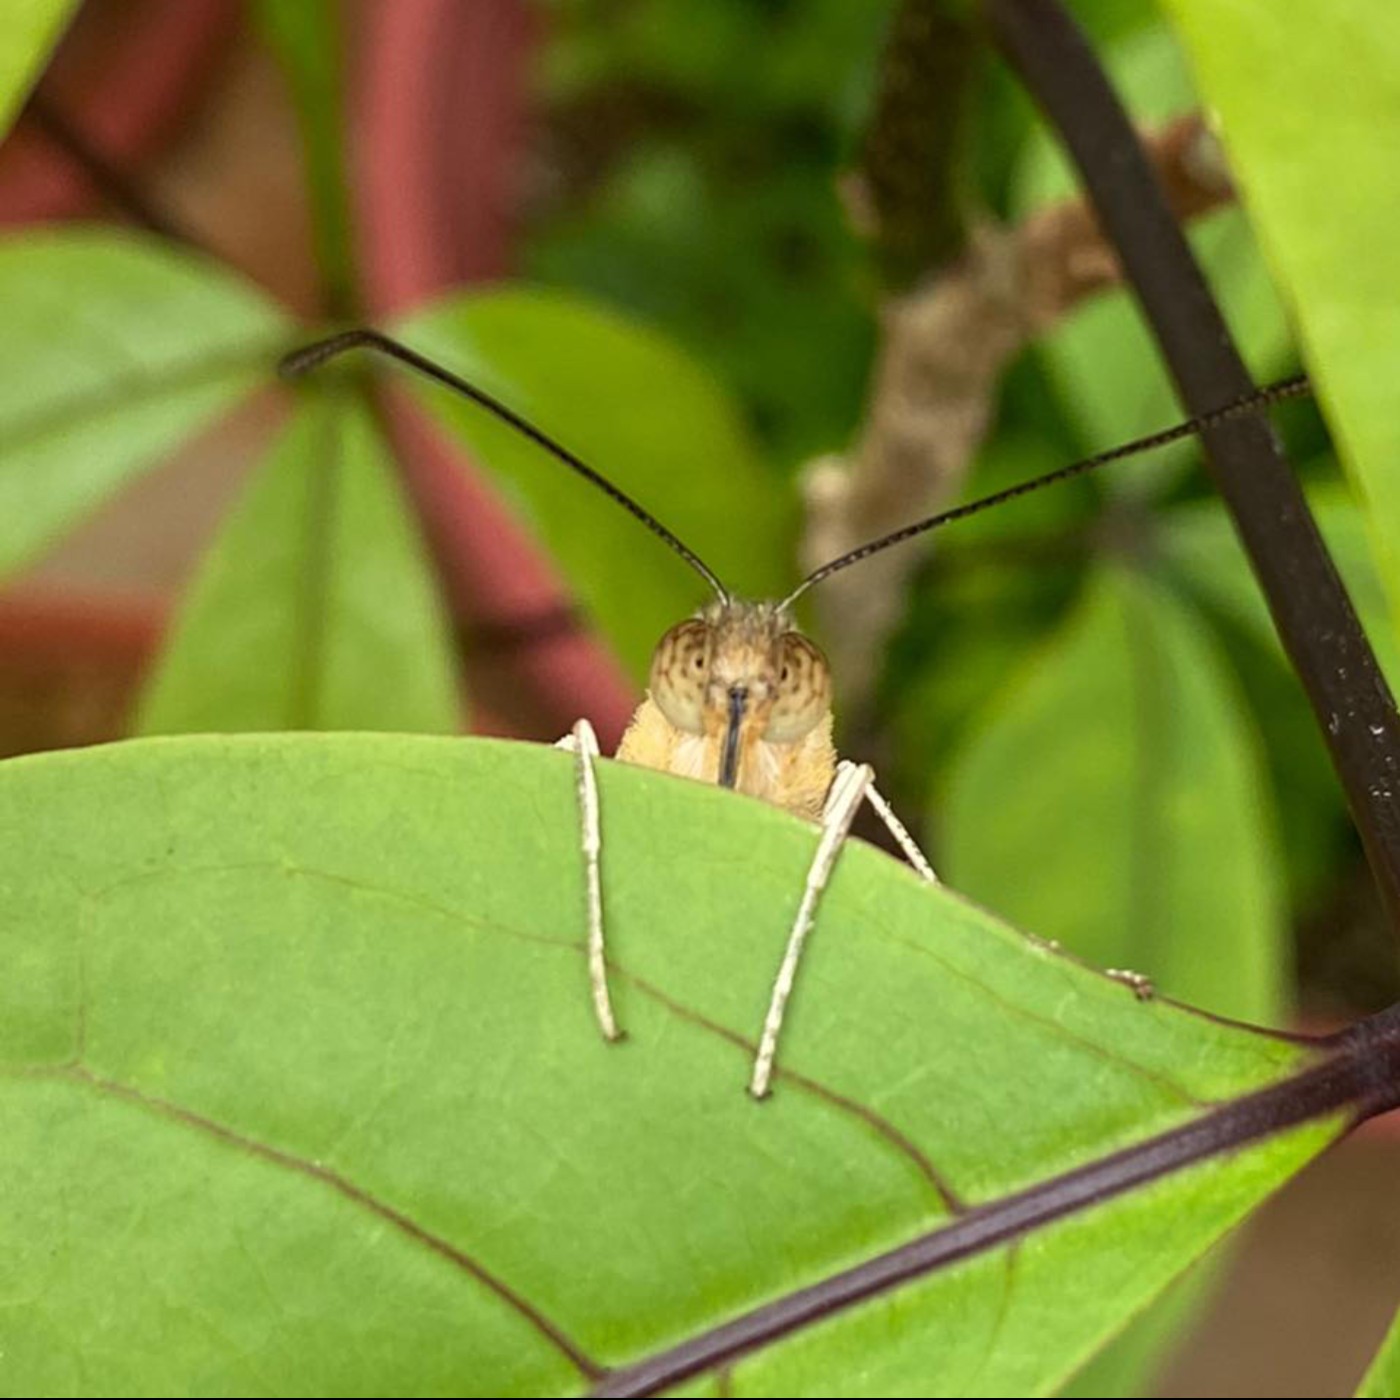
(1134, 1359)
(1382, 1381)
(1122, 750)
(1104, 362)
(315, 608)
(637, 409)
(1310, 114)
(306, 37)
(301, 1090)
(32, 29)
(1198, 543)
(1201, 544)
(115, 349)
(1112, 753)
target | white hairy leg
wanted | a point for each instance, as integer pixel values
(853, 784)
(582, 742)
(848, 789)
(896, 828)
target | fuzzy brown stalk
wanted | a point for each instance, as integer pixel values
(945, 347)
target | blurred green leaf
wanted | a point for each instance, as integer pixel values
(737, 60)
(759, 278)
(1309, 112)
(636, 408)
(697, 163)
(315, 608)
(966, 632)
(115, 349)
(1105, 363)
(1114, 802)
(301, 1089)
(32, 29)
(996, 583)
(306, 37)
(1382, 1381)
(1132, 1361)
(1200, 541)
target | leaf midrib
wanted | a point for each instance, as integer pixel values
(86, 410)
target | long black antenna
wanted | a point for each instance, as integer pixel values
(302, 361)
(1250, 403)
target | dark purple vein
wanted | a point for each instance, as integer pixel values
(1361, 1077)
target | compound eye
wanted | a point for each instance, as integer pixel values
(679, 671)
(802, 697)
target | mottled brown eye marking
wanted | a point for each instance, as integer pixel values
(803, 695)
(679, 670)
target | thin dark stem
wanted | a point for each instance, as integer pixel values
(506, 635)
(110, 182)
(1314, 617)
(911, 158)
(1360, 1077)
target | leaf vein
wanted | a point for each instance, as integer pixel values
(138, 390)
(945, 1193)
(342, 1185)
(1058, 1028)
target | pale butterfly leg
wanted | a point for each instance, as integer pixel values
(842, 801)
(582, 742)
(853, 783)
(1141, 986)
(903, 840)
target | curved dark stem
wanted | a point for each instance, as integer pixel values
(1359, 1077)
(1309, 603)
(118, 189)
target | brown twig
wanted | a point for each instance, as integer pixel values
(904, 198)
(945, 349)
(106, 178)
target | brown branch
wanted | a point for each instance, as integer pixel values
(904, 197)
(110, 182)
(945, 349)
